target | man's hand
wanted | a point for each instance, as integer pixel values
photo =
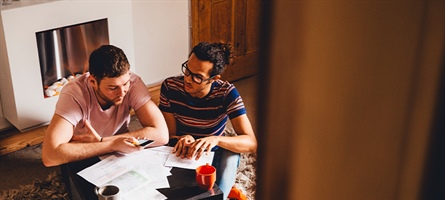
(182, 146)
(202, 145)
(125, 145)
(90, 136)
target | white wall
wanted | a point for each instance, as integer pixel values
(161, 38)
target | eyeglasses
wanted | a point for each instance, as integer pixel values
(195, 77)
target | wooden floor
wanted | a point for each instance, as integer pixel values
(14, 140)
(17, 140)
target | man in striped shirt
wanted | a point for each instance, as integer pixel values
(196, 107)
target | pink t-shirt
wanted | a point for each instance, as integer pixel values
(77, 102)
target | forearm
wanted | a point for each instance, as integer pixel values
(238, 144)
(70, 152)
(153, 123)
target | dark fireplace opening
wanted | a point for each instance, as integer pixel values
(64, 52)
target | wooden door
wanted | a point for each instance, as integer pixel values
(233, 21)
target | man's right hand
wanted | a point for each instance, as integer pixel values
(182, 146)
(125, 145)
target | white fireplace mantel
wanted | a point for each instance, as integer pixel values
(21, 84)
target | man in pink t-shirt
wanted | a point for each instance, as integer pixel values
(93, 111)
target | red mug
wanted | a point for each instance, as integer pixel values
(206, 176)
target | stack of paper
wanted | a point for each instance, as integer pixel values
(139, 174)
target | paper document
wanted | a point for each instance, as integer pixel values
(104, 171)
(138, 175)
(174, 161)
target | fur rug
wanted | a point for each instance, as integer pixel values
(246, 176)
(51, 188)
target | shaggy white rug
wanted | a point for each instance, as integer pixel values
(51, 188)
(246, 176)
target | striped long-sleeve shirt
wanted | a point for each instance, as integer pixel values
(200, 117)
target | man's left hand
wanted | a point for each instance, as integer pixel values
(202, 145)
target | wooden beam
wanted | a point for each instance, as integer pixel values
(16, 140)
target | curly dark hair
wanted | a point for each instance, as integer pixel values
(108, 61)
(220, 54)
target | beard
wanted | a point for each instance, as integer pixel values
(195, 91)
(109, 102)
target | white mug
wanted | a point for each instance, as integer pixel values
(107, 192)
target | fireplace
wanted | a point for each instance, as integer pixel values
(27, 70)
(64, 52)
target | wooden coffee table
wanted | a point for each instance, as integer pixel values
(182, 183)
